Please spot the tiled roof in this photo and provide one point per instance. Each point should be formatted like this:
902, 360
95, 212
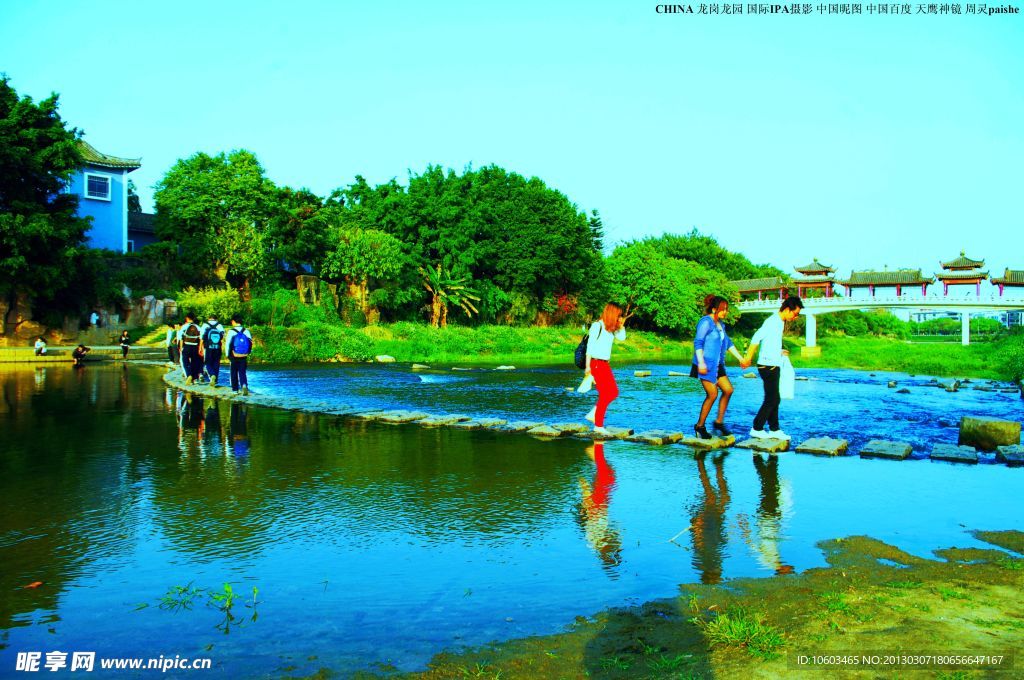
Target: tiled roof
814, 279
141, 222
955, 275
814, 267
887, 278
1011, 277
962, 263
754, 285
94, 157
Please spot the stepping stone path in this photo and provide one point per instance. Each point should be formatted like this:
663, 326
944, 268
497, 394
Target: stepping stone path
708, 444
879, 448
641, 374
613, 433
988, 434
824, 446
1011, 455
772, 445
505, 368
402, 416
656, 437
676, 374
954, 453
571, 428
480, 424
440, 421
545, 431
368, 415
521, 425
419, 367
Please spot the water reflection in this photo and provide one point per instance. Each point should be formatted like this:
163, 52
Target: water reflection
600, 533
708, 526
774, 503
239, 430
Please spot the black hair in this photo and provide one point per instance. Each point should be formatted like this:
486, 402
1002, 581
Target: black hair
236, 317
713, 302
792, 302
190, 316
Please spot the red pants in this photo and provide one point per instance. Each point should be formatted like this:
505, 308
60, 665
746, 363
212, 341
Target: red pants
607, 390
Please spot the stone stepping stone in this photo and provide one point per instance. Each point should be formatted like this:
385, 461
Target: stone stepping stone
439, 421
954, 453
403, 416
571, 428
384, 359
656, 437
708, 444
750, 375
419, 367
641, 374
613, 433
676, 374
880, 448
479, 423
544, 431
521, 425
772, 445
824, 446
368, 415
1011, 455
505, 368
988, 434
339, 410
492, 423
460, 368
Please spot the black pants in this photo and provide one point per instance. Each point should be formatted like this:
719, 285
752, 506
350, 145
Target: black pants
191, 361
172, 354
238, 377
212, 363
769, 411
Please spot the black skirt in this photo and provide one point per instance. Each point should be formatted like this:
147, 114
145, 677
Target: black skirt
694, 373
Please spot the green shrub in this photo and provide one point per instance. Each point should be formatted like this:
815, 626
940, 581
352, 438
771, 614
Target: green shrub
222, 302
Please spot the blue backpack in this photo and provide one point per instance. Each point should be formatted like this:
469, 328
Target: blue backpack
241, 344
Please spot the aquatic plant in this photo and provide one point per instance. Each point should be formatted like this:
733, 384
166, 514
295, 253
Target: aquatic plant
741, 627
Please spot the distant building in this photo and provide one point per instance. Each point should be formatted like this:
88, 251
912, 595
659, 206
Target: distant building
140, 231
101, 185
767, 287
815, 276
962, 271
867, 283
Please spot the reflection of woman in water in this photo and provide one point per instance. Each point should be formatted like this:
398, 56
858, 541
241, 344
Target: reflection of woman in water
769, 515
593, 511
708, 522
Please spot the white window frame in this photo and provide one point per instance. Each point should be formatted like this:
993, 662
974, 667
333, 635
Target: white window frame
130, 248
110, 186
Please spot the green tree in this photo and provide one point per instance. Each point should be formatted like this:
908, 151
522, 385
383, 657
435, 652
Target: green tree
42, 241
706, 251
134, 204
299, 229
363, 258
445, 291
216, 208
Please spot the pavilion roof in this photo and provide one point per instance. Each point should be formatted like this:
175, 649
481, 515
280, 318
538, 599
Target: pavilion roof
887, 278
962, 262
1010, 277
766, 283
815, 279
968, 275
94, 157
814, 268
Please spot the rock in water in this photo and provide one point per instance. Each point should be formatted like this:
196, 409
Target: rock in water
988, 434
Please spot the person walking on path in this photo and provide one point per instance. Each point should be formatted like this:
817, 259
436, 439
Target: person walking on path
212, 344
126, 342
769, 362
172, 344
710, 345
191, 337
610, 327
239, 343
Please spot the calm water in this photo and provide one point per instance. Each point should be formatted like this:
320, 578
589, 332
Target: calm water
372, 543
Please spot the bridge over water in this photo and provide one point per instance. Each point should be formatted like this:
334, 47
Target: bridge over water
825, 305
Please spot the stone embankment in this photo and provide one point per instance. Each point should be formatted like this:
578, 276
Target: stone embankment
1012, 454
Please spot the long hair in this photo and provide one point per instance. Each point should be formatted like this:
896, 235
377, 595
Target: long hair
713, 303
610, 317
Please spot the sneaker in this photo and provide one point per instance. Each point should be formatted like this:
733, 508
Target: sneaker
188, 380
758, 434
779, 434
213, 381
601, 431
593, 414
245, 391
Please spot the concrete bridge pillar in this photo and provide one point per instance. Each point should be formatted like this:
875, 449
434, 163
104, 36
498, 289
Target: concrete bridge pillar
965, 328
811, 330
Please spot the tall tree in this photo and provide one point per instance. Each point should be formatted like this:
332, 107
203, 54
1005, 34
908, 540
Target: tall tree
42, 241
216, 208
367, 260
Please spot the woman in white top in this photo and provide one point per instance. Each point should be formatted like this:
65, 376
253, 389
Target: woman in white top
611, 326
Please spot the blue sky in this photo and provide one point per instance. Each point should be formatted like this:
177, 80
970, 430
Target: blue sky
864, 141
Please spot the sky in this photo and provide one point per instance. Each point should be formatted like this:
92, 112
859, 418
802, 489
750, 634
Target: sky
867, 142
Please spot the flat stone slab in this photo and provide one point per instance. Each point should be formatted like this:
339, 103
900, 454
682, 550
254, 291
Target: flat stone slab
403, 416
571, 428
708, 444
479, 423
613, 433
824, 446
880, 448
772, 445
505, 368
954, 453
988, 434
641, 374
545, 431
1011, 455
677, 374
521, 425
460, 368
419, 367
440, 421
750, 375
656, 437
384, 359
369, 415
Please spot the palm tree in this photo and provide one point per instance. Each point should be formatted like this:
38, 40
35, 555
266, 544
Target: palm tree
446, 290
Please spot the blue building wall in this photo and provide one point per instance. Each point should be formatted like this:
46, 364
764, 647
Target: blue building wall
109, 218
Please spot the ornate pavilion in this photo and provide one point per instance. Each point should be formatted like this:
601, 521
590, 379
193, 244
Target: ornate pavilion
962, 271
815, 276
1011, 277
897, 278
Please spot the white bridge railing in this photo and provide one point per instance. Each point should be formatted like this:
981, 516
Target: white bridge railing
908, 301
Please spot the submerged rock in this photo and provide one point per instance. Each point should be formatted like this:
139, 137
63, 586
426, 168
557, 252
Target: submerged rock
1011, 455
903, 390
892, 383
988, 434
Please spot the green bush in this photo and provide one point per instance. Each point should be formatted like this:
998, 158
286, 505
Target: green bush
222, 302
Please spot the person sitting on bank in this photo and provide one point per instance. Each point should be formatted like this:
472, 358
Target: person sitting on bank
78, 354
769, 363
40, 346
